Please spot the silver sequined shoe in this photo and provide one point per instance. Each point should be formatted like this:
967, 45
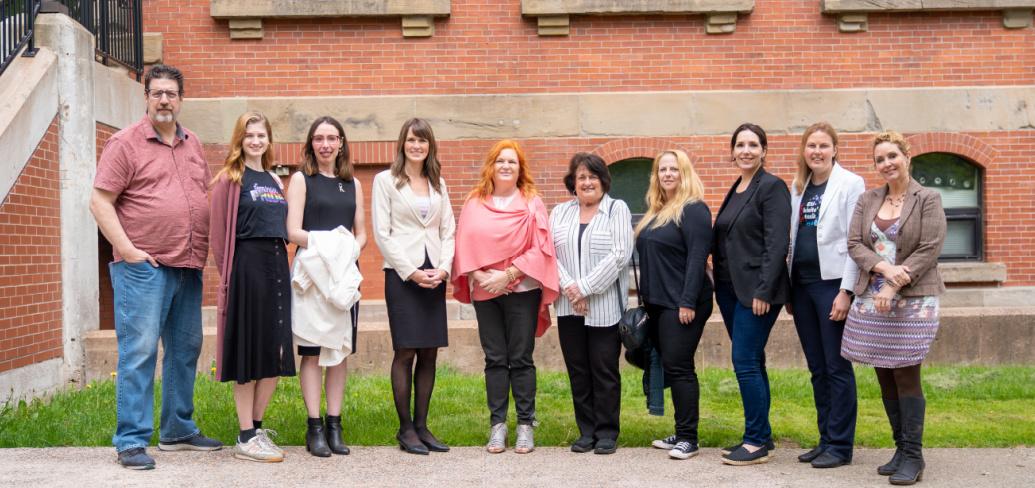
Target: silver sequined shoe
525, 442
497, 438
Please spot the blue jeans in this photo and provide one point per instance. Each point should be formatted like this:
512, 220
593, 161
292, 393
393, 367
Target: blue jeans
151, 304
749, 334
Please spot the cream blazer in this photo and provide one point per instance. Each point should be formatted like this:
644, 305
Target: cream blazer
403, 236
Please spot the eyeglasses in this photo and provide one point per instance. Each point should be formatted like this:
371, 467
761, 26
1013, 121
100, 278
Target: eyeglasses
328, 139
158, 94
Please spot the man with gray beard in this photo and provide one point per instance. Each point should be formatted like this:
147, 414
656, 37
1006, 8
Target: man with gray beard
149, 202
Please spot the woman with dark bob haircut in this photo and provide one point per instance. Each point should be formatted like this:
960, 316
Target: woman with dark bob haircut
592, 233
752, 233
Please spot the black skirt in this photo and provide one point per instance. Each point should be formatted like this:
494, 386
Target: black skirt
257, 336
416, 315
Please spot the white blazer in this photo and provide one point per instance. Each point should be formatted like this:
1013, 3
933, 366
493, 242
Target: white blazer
835, 214
403, 236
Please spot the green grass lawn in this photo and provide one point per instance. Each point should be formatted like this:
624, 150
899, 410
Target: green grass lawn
967, 407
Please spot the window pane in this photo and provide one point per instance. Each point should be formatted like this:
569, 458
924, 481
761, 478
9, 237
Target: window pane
630, 179
953, 176
959, 240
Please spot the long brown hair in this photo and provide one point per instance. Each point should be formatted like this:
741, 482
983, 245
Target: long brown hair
432, 169
233, 166
484, 187
660, 210
804, 172
342, 163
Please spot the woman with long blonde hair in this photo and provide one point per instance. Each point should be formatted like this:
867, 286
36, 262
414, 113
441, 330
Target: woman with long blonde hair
673, 241
248, 236
505, 265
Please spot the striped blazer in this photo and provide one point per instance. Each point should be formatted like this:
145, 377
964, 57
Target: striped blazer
600, 270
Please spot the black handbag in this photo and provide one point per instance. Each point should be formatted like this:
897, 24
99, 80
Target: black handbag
632, 328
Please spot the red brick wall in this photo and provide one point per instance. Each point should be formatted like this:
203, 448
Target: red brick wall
105, 293
30, 261
488, 47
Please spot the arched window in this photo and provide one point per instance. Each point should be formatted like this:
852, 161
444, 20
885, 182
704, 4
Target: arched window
959, 181
630, 179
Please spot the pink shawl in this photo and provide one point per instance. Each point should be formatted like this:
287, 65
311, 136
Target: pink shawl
492, 238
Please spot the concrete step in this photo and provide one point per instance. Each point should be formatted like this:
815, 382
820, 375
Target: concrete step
968, 335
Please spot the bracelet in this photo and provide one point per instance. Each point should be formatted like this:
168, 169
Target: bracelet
510, 276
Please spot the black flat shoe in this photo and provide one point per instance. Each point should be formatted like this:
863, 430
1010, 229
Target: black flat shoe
431, 442
418, 448
605, 446
809, 456
827, 460
582, 444
768, 445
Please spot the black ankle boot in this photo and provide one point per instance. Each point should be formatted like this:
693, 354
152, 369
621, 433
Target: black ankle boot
334, 439
912, 468
315, 440
895, 419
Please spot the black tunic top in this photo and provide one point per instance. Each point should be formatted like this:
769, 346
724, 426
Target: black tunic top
672, 260
329, 202
262, 211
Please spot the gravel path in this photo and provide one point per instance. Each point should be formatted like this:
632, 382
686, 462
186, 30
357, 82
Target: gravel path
471, 466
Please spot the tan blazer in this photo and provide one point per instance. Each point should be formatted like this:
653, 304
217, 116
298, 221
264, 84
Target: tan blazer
920, 237
403, 236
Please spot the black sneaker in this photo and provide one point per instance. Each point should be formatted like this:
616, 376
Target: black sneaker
768, 445
683, 450
583, 444
197, 442
136, 458
741, 457
667, 443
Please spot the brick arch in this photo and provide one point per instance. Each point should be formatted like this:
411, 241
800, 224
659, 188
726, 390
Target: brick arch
638, 147
964, 145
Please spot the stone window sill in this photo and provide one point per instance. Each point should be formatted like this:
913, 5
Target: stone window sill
972, 272
852, 14
553, 15
246, 16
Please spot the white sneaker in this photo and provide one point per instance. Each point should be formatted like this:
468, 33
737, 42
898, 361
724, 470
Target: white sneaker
256, 450
266, 436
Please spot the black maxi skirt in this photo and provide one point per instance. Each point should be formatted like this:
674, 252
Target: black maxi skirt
416, 315
257, 335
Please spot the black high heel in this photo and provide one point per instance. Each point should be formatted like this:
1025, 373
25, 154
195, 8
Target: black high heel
429, 440
418, 448
334, 436
315, 441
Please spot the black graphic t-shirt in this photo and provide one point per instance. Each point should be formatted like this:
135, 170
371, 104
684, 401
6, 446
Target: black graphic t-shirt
262, 212
806, 252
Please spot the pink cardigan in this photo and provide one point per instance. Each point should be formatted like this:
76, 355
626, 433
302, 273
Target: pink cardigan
226, 196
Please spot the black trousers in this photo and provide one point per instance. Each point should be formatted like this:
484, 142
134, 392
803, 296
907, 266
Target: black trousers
506, 327
591, 356
677, 344
833, 379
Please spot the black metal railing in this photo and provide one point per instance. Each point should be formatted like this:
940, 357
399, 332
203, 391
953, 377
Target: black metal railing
17, 19
117, 26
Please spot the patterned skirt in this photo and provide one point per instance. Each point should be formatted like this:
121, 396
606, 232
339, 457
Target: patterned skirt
895, 339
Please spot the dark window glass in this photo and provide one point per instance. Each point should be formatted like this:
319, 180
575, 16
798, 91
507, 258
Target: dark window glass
630, 179
959, 182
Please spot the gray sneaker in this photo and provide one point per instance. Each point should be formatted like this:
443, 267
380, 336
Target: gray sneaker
497, 438
255, 450
525, 442
136, 458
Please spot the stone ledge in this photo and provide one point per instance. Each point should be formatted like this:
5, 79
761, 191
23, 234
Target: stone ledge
1017, 14
246, 16
955, 273
553, 15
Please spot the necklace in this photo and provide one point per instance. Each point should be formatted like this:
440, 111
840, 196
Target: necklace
895, 202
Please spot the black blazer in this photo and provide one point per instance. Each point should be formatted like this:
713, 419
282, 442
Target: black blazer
757, 242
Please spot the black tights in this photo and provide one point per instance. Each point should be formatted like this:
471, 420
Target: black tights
422, 380
899, 382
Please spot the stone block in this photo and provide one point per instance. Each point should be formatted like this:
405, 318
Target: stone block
972, 272
418, 26
246, 28
499, 116
852, 23
553, 25
724, 23
152, 47
1017, 18
547, 7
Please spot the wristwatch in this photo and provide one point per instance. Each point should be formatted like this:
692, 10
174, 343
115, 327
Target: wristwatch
848, 292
